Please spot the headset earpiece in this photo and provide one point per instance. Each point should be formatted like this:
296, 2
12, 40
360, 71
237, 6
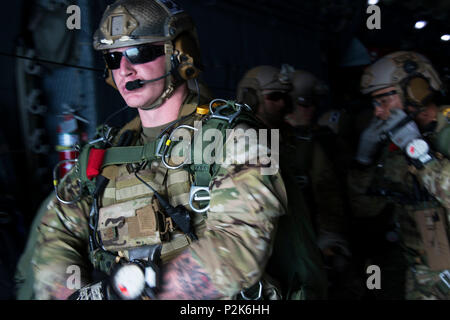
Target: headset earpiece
186, 56
107, 75
418, 90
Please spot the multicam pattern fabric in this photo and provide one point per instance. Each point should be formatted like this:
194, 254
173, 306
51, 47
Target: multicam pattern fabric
235, 238
424, 284
435, 177
391, 182
372, 189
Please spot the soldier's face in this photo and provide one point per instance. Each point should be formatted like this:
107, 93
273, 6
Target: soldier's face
127, 72
301, 116
274, 104
426, 116
383, 104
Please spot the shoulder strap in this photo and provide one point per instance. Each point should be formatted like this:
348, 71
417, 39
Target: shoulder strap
225, 116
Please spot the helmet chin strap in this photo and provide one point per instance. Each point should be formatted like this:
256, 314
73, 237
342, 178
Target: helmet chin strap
168, 92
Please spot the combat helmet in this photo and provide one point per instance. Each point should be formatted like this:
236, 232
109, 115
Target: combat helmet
413, 76
136, 22
263, 79
307, 88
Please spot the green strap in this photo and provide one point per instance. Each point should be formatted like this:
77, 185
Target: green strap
122, 155
114, 156
203, 173
82, 163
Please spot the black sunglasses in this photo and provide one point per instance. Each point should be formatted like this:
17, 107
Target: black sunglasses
377, 103
135, 55
305, 102
275, 96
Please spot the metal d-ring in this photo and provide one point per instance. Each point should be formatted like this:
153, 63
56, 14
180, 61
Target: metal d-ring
193, 197
167, 143
56, 182
259, 293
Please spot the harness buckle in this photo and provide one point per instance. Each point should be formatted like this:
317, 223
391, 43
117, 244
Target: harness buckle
194, 197
217, 113
160, 145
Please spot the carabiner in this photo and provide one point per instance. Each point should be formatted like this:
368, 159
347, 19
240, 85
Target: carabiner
216, 114
56, 182
166, 147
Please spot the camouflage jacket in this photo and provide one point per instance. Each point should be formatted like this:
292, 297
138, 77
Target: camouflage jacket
389, 186
235, 236
435, 175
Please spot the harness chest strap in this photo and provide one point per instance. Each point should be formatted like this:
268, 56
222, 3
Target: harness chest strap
92, 160
203, 172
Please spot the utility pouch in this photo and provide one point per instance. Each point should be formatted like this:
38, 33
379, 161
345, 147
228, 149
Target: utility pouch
134, 223
432, 227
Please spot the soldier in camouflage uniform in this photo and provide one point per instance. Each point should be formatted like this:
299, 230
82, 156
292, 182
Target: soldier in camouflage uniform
319, 157
122, 228
270, 91
314, 169
304, 161
403, 87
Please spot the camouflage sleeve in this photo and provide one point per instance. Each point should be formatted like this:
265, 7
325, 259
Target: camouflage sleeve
435, 177
59, 261
244, 208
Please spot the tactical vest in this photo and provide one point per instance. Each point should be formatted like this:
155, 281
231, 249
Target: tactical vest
130, 220
423, 222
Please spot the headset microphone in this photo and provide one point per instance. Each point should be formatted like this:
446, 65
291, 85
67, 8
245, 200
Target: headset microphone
136, 84
133, 85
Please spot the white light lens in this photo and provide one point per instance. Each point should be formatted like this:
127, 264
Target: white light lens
445, 37
372, 2
129, 281
417, 148
420, 24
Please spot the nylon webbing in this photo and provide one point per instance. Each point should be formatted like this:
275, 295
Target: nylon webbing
122, 155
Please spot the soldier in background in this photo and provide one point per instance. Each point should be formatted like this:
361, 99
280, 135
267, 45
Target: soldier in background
318, 160
267, 90
408, 132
